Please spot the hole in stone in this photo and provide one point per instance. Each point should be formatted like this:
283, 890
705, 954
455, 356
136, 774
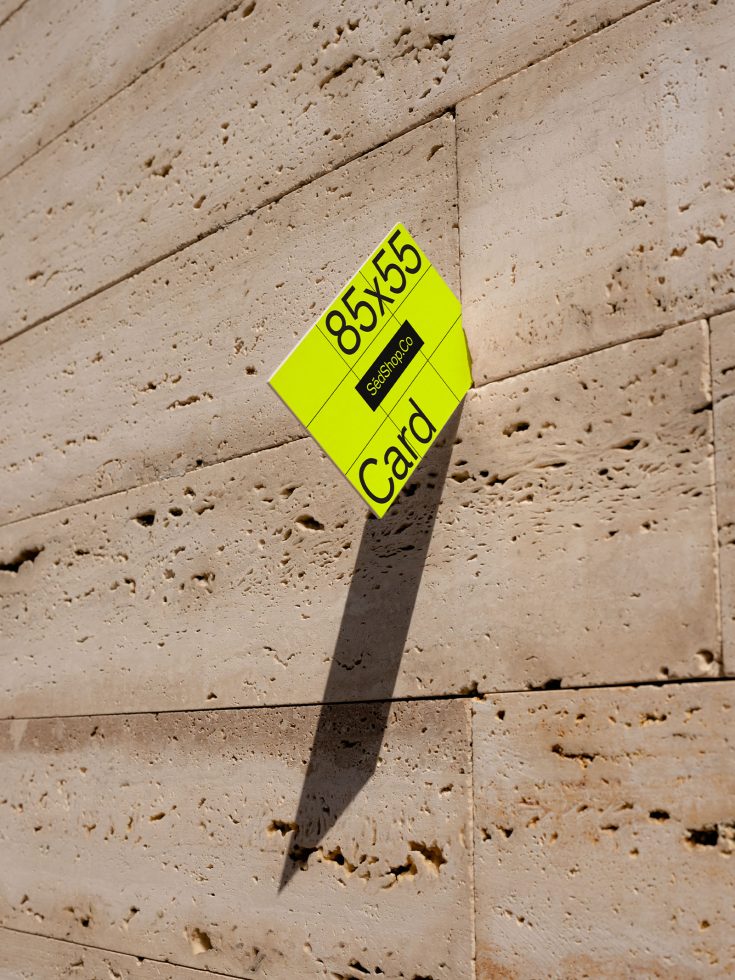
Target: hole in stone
200, 942
26, 554
703, 836
309, 522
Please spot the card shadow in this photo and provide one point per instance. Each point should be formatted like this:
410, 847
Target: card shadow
356, 703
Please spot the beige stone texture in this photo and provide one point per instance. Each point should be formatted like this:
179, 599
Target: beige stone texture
723, 387
604, 833
60, 62
249, 109
29, 957
166, 836
573, 544
596, 190
170, 367
249, 731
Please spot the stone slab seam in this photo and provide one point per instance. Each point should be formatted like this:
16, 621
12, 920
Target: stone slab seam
715, 511
471, 802
11, 14
652, 335
116, 952
473, 890
476, 698
459, 218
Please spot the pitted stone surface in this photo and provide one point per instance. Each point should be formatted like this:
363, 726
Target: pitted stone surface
605, 833
262, 101
166, 836
723, 392
28, 957
574, 545
170, 541
168, 369
59, 63
596, 190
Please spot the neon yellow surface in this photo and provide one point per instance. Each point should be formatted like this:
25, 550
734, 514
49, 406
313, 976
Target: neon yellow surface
379, 374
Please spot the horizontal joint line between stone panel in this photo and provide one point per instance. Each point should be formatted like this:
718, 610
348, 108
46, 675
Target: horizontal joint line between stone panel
649, 335
270, 447
118, 952
478, 698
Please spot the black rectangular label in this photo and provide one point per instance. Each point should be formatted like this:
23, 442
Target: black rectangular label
389, 365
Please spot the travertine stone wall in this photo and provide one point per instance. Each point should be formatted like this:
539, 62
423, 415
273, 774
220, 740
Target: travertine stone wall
153, 866
170, 348
246, 729
66, 62
247, 110
603, 849
596, 191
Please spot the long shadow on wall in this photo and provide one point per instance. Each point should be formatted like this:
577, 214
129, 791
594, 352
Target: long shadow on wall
372, 635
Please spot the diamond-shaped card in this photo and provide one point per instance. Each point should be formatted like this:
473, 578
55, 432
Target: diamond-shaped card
379, 374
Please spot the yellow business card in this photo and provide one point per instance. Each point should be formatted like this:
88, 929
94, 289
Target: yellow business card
380, 372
